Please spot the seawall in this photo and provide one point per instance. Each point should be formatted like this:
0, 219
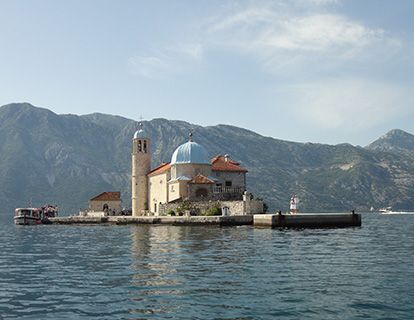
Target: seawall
192, 220
339, 220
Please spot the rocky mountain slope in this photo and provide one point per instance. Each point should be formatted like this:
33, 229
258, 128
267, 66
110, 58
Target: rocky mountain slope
396, 141
67, 159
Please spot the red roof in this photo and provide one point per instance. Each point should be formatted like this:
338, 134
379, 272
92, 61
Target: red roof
223, 163
163, 167
107, 196
200, 179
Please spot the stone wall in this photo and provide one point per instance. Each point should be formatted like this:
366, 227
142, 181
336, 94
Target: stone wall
235, 207
252, 206
188, 207
238, 207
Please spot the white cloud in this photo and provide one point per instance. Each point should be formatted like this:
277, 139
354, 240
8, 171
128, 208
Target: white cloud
277, 38
318, 2
172, 60
324, 32
149, 66
347, 104
282, 39
190, 50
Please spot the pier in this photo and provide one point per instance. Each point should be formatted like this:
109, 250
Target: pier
334, 220
339, 220
237, 220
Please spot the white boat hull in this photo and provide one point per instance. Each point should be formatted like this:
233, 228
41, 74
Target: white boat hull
25, 220
396, 212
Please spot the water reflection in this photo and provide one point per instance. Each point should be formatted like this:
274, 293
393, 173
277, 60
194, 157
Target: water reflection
154, 249
185, 264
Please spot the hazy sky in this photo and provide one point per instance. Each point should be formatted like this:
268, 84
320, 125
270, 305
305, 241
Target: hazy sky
303, 70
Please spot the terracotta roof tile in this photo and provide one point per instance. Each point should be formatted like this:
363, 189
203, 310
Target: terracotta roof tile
163, 167
200, 179
107, 196
219, 163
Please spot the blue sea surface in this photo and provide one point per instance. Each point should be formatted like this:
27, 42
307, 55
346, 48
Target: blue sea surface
183, 272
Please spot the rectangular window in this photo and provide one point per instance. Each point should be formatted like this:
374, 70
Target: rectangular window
228, 183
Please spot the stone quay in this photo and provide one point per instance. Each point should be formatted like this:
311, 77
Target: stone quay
334, 220
338, 220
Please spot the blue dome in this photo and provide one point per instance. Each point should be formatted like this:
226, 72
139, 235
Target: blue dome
190, 152
140, 134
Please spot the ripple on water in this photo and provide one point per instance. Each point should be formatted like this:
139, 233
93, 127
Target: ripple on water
162, 272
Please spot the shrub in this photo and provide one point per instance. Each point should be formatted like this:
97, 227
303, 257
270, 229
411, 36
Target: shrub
171, 212
180, 211
213, 211
184, 206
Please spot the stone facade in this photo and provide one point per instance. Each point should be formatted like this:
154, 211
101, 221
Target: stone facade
158, 190
98, 205
230, 179
141, 166
191, 177
106, 201
177, 190
199, 192
190, 170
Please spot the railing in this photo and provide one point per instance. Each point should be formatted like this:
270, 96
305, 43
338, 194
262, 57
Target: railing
228, 189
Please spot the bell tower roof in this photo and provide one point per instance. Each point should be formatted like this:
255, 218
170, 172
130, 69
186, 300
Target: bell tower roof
140, 133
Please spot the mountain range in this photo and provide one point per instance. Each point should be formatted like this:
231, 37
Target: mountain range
68, 159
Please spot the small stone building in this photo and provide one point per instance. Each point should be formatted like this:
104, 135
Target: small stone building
106, 201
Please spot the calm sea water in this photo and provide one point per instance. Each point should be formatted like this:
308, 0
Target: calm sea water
169, 272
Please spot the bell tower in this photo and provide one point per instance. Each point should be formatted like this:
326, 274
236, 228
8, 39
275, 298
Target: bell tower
141, 165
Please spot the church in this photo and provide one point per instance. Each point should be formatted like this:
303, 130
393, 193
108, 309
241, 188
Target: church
190, 176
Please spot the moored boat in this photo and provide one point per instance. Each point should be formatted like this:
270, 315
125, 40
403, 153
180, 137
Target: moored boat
385, 210
33, 216
27, 216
